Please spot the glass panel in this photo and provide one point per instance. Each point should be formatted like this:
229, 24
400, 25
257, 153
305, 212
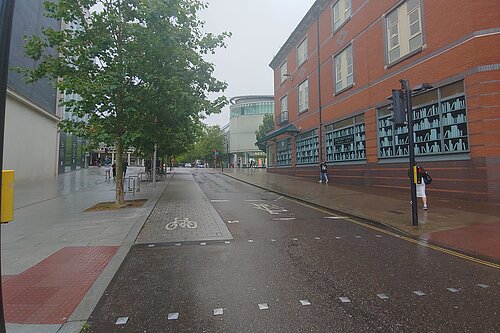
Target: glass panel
336, 15
412, 4
393, 36
347, 9
359, 118
452, 89
394, 54
425, 98
343, 123
392, 18
415, 42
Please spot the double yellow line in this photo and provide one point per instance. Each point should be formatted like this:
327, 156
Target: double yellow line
408, 239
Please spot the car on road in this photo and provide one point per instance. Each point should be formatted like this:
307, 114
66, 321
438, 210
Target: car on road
188, 165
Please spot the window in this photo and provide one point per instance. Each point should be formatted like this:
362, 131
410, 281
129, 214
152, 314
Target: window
283, 152
302, 52
307, 147
345, 140
341, 13
439, 126
403, 30
270, 154
343, 69
283, 71
283, 109
303, 96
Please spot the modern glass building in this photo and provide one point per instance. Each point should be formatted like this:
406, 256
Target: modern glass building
246, 115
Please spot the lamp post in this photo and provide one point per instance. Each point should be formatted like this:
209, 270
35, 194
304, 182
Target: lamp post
6, 16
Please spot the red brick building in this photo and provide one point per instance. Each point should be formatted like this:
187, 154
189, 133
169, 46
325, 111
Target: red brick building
365, 48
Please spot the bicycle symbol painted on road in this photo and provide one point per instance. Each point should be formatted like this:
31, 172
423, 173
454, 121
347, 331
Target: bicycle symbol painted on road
184, 223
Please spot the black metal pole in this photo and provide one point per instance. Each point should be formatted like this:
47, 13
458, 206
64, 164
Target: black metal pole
6, 16
320, 138
411, 150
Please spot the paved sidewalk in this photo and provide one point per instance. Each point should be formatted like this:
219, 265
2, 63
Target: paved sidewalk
470, 228
57, 260
183, 214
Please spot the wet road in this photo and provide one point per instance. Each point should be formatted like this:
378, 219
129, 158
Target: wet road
351, 278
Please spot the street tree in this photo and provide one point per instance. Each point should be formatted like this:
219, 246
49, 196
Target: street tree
266, 126
211, 139
136, 66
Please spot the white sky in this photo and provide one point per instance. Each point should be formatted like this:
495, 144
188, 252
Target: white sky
259, 28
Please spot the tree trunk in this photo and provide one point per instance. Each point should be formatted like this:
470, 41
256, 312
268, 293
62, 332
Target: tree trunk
120, 196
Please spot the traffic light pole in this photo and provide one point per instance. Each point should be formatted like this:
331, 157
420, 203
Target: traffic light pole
405, 85
6, 16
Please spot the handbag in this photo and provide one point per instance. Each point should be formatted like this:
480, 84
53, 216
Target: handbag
427, 179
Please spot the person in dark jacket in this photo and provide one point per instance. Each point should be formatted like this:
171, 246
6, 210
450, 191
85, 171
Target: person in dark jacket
323, 172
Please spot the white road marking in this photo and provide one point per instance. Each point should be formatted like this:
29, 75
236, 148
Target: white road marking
253, 200
284, 219
263, 306
278, 198
219, 200
218, 312
334, 217
121, 321
345, 299
270, 208
305, 302
173, 316
184, 223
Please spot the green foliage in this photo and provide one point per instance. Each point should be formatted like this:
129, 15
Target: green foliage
266, 126
210, 138
136, 68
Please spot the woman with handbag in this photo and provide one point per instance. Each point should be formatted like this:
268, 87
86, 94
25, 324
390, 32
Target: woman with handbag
423, 178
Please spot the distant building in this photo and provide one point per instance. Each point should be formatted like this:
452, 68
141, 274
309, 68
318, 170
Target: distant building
31, 133
334, 73
246, 115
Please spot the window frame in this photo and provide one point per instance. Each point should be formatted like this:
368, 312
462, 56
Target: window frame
302, 45
306, 102
404, 35
282, 75
342, 10
339, 55
283, 111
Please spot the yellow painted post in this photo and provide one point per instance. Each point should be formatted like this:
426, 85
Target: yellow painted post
415, 176
7, 209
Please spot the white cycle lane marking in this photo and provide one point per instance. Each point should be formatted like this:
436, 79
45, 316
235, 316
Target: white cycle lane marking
184, 223
270, 208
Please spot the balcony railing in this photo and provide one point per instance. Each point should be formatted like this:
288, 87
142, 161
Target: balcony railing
283, 117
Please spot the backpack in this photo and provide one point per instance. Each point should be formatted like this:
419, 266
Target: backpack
427, 178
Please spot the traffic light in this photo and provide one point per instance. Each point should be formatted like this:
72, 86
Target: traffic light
398, 107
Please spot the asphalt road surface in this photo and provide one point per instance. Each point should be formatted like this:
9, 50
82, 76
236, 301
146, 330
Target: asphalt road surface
295, 268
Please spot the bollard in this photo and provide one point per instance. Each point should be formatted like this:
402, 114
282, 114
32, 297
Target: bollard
7, 209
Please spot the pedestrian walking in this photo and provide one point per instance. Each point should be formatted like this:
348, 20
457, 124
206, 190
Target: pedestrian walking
124, 167
107, 168
323, 172
423, 179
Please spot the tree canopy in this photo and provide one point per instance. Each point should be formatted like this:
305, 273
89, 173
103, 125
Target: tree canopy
266, 126
137, 68
211, 138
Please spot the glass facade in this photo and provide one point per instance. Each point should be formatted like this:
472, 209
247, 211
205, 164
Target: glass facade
440, 125
284, 152
307, 147
345, 140
251, 109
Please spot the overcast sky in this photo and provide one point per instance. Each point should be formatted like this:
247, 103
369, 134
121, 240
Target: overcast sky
259, 28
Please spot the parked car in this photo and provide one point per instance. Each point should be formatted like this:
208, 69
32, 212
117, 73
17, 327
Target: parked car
188, 165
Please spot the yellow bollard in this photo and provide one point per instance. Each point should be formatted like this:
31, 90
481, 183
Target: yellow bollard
7, 209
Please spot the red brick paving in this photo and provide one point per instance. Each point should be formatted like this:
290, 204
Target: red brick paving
480, 238
49, 292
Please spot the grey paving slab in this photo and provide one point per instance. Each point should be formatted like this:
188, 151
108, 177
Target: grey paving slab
23, 328
182, 214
